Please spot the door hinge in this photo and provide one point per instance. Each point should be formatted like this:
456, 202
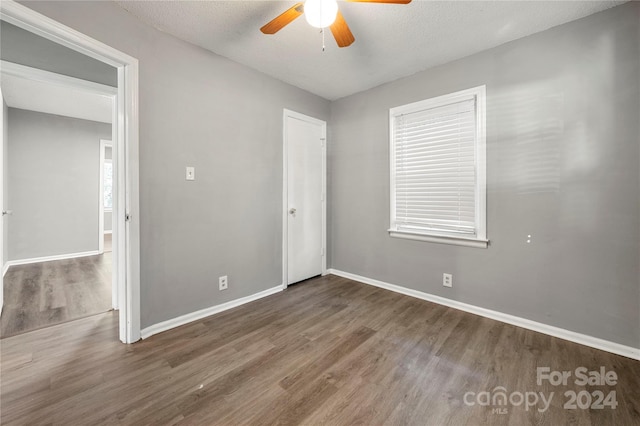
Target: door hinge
127, 217
322, 141
322, 251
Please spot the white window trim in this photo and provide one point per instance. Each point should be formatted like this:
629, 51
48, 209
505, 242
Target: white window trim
480, 240
106, 209
101, 210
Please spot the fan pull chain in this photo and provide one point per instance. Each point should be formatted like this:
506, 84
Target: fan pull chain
322, 30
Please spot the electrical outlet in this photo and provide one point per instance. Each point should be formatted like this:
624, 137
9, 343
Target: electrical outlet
223, 283
447, 280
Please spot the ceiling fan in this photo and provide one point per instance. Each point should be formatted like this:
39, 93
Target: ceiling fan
321, 14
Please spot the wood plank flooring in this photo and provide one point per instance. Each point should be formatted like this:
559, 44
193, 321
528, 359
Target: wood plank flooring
329, 351
41, 294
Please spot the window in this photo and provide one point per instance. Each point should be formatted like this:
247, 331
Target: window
108, 185
437, 155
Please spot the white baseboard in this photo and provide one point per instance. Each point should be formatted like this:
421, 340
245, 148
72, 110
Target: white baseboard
49, 258
203, 313
572, 336
5, 268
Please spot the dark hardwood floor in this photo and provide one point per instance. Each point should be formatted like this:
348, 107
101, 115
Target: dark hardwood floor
329, 351
39, 295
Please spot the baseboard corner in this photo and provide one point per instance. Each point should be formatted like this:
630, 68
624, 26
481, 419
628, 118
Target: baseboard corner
51, 258
162, 326
572, 336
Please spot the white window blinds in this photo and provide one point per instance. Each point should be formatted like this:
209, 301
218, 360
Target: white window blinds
435, 168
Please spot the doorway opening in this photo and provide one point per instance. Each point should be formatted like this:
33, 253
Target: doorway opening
56, 271
126, 225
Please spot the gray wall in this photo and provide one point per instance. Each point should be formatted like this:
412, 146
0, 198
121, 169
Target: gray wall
562, 141
562, 165
199, 109
54, 182
22, 47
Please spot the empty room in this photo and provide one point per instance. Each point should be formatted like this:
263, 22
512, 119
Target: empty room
377, 212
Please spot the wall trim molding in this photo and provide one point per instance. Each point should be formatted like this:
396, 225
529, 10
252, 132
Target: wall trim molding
50, 258
572, 336
206, 312
5, 268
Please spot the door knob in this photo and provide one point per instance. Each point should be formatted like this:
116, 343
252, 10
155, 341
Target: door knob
292, 211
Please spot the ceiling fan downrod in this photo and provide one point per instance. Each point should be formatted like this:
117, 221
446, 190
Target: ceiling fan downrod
322, 31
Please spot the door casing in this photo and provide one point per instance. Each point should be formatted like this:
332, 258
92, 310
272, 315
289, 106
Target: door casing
288, 115
2, 218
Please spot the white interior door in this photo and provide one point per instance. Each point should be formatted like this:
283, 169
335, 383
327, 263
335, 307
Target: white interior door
305, 217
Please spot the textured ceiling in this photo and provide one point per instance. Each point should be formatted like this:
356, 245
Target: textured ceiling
392, 41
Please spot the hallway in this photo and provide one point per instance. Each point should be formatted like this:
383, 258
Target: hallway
38, 295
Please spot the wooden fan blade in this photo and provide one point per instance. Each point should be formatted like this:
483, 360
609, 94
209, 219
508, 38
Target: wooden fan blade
382, 1
341, 31
283, 19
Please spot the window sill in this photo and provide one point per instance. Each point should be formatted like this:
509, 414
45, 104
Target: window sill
466, 242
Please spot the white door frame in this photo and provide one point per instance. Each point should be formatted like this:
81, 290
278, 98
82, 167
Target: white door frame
288, 114
126, 226
2, 194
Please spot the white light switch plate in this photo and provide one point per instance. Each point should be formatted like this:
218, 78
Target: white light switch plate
191, 173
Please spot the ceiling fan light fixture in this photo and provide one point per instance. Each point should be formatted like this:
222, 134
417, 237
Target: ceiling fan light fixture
320, 13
